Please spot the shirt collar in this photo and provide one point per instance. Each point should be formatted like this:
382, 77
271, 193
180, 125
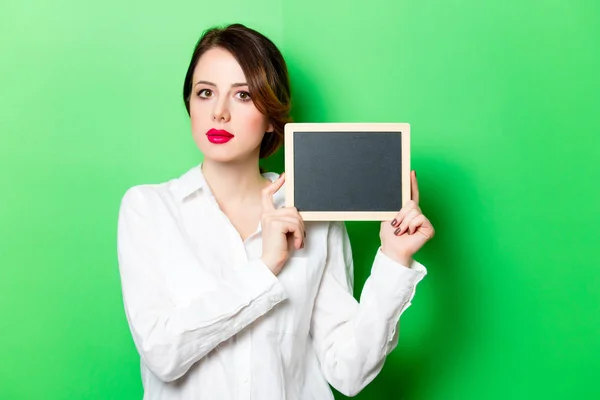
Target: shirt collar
188, 183
193, 180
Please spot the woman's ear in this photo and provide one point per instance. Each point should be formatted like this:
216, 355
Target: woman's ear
270, 128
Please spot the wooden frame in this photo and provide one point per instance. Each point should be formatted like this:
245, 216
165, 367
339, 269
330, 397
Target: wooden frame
291, 128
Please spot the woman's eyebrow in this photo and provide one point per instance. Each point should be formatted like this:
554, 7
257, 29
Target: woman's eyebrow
205, 83
212, 84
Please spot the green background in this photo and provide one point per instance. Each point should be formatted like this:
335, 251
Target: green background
503, 99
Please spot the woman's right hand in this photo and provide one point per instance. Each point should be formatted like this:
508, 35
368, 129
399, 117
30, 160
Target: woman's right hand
281, 229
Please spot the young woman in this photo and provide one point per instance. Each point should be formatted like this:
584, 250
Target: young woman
231, 295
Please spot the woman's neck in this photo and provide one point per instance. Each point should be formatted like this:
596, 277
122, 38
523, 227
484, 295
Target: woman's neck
234, 183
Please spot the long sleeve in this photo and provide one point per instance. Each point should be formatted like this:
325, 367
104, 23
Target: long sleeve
352, 339
171, 337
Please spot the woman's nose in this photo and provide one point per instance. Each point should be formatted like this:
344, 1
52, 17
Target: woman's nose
221, 112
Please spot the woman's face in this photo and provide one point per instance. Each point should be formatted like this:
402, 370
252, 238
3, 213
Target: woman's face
226, 125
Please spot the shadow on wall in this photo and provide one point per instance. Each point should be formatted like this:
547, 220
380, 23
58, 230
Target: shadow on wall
307, 106
442, 324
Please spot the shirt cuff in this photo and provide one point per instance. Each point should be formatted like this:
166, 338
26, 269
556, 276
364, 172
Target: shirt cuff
395, 278
257, 280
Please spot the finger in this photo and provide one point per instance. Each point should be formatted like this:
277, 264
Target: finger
414, 187
410, 205
289, 212
290, 220
290, 242
292, 227
410, 215
426, 229
416, 223
269, 191
296, 214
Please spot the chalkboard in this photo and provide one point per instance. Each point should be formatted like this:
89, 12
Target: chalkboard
347, 171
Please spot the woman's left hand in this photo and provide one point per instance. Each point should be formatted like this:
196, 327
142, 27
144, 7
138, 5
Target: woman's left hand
408, 232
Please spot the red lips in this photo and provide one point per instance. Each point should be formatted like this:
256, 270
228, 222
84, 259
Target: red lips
219, 132
218, 136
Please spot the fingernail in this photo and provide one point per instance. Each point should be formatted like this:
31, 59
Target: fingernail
397, 231
394, 222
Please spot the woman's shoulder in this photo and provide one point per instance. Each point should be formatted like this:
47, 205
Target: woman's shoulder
143, 193
158, 194
149, 202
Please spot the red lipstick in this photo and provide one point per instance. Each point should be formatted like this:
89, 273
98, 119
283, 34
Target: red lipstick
218, 136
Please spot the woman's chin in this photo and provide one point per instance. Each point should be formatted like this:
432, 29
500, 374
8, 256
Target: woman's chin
222, 157
226, 154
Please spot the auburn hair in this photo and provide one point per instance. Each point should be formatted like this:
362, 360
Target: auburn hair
264, 68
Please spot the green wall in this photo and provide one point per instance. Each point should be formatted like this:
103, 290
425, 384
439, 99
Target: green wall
503, 98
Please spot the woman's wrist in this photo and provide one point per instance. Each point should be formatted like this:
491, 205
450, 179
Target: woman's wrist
404, 259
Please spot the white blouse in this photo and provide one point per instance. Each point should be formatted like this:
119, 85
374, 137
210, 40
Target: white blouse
210, 321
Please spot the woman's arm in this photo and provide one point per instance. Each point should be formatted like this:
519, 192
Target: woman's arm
170, 337
352, 339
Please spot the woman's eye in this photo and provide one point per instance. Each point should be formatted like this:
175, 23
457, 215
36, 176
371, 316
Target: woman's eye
205, 93
245, 96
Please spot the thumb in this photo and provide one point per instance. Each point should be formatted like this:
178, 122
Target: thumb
269, 191
414, 187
